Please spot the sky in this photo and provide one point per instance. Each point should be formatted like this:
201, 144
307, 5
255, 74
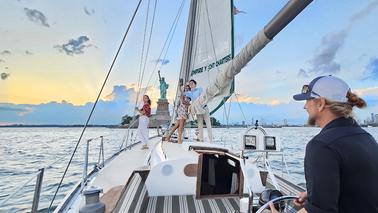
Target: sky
54, 57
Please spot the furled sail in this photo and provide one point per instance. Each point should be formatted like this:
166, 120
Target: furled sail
226, 76
208, 46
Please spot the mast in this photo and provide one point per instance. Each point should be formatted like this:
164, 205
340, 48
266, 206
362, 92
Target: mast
187, 55
226, 76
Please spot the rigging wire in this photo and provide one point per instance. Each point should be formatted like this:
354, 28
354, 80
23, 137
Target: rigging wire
142, 56
149, 42
143, 59
166, 50
211, 36
241, 109
147, 52
94, 105
167, 40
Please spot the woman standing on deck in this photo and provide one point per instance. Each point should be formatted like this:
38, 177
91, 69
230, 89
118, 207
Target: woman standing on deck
182, 115
145, 113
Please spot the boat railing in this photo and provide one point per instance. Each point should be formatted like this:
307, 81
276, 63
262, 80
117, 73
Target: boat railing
100, 162
37, 191
38, 176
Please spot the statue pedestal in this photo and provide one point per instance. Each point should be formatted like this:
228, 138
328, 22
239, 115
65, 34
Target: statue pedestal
162, 107
160, 117
162, 114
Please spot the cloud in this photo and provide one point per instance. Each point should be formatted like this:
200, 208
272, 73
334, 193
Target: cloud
5, 52
302, 73
36, 16
4, 75
364, 12
2, 61
122, 99
121, 93
28, 52
256, 100
25, 111
370, 91
293, 112
110, 111
162, 61
323, 61
10, 108
372, 69
74, 46
19, 111
89, 12
151, 91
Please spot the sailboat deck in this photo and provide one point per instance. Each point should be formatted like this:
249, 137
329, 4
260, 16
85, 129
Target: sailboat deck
135, 199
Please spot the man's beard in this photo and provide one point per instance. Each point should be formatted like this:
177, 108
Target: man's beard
311, 121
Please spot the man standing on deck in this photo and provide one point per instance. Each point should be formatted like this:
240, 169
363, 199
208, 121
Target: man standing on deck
341, 162
193, 94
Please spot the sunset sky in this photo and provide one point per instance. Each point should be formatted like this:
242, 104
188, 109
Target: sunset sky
54, 56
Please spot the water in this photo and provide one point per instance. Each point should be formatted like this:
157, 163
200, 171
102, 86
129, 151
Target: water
25, 150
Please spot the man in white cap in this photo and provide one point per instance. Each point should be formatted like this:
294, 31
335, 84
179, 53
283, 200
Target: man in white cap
341, 162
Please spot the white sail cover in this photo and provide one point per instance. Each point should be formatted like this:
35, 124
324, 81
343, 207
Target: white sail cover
212, 46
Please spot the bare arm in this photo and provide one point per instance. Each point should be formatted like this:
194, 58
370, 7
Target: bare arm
141, 111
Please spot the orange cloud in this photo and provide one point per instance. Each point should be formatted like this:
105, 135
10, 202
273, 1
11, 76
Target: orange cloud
373, 91
257, 100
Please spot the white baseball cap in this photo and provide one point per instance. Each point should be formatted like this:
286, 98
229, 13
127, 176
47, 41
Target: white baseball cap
329, 87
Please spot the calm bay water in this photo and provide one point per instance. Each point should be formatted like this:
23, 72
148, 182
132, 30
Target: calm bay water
25, 150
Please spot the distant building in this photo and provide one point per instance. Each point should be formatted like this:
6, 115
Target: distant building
373, 120
376, 119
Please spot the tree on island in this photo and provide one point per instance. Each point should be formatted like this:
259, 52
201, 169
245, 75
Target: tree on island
126, 119
214, 122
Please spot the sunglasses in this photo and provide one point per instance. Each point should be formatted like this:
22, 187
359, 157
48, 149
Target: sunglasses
306, 89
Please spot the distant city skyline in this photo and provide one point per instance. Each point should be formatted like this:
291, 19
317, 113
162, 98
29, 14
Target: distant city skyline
52, 63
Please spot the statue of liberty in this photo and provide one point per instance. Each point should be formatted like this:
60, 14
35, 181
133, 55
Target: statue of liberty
163, 87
